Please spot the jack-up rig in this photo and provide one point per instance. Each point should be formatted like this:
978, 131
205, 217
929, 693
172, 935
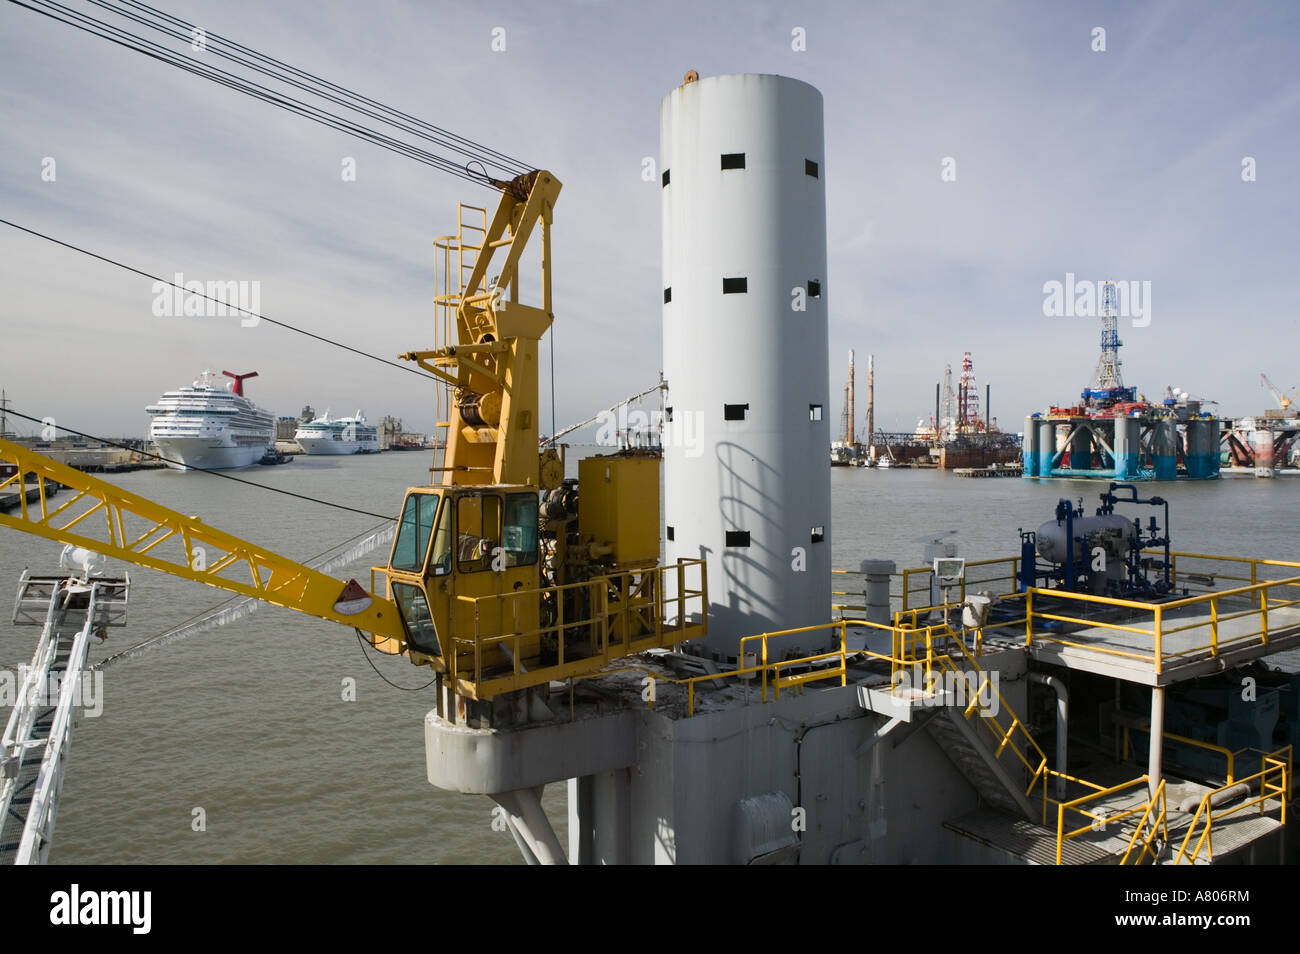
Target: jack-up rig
705, 707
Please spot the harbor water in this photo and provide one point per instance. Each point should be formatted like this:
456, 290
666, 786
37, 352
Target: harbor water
241, 745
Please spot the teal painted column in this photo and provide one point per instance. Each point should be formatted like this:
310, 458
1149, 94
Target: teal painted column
1029, 448
1046, 447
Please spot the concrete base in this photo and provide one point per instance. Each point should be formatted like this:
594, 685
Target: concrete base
775, 782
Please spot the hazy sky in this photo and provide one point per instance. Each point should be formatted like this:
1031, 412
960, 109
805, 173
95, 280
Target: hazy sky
1123, 164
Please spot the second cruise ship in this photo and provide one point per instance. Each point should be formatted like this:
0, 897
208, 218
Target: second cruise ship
344, 435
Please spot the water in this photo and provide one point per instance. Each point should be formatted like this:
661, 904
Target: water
248, 723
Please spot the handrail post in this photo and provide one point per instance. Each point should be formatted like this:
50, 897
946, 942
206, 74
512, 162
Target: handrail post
1263, 615
1029, 617
1214, 626
1159, 625
844, 653
1060, 829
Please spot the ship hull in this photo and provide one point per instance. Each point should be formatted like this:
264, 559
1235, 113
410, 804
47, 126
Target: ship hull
190, 453
323, 446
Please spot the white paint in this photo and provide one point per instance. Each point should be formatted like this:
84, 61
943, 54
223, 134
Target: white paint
768, 474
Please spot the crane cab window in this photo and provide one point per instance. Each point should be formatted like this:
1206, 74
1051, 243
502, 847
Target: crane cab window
413, 531
478, 531
421, 633
440, 556
519, 536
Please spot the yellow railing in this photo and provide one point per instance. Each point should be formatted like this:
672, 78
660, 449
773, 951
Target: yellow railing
1264, 597
1273, 780
913, 583
931, 649
1229, 756
1157, 814
629, 623
1032, 757
1098, 820
1203, 569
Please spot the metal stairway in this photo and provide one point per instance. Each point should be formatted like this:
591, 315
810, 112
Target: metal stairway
38, 734
957, 738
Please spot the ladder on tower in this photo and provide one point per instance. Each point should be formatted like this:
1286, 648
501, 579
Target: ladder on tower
457, 256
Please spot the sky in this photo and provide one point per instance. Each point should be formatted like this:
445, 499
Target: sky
975, 153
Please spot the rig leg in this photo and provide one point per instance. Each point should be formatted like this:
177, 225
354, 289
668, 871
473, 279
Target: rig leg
524, 808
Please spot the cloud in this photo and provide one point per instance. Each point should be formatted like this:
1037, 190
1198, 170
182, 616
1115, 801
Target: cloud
1120, 164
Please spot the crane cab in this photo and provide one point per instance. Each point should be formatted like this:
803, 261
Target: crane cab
465, 562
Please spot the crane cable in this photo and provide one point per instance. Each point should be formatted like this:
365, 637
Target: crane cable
131, 41
213, 41
236, 607
218, 301
205, 470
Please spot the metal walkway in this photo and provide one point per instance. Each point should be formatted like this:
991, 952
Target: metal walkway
71, 612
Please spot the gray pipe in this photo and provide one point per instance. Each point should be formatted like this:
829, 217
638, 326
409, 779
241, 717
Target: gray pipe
1062, 722
1240, 790
876, 595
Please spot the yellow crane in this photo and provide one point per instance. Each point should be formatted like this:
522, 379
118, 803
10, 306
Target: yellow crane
498, 578
1283, 401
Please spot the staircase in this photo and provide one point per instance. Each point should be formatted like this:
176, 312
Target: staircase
956, 737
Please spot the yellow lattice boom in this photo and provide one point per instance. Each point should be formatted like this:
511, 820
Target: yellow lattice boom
125, 526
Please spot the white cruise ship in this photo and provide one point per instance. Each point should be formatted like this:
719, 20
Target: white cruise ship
344, 435
211, 427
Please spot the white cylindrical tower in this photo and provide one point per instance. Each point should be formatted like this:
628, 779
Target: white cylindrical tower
747, 445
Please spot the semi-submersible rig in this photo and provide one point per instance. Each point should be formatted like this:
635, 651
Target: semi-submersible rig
1097, 698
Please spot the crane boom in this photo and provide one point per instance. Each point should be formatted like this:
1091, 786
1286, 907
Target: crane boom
1283, 401
125, 526
595, 417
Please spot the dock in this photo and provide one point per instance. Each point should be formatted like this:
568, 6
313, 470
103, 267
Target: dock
1006, 470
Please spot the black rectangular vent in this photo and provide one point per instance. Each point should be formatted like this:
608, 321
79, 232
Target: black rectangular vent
665, 177
810, 168
668, 295
814, 289
818, 534
734, 412
733, 160
735, 286
737, 538
671, 535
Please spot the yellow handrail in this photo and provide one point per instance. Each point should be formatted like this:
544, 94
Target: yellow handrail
1159, 824
1227, 753
1267, 788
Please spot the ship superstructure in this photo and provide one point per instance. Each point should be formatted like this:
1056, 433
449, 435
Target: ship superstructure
337, 436
211, 427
